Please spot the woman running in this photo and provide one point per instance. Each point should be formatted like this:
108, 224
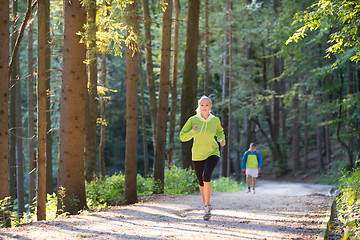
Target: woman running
203, 127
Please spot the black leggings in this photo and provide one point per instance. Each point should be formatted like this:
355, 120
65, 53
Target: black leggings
204, 169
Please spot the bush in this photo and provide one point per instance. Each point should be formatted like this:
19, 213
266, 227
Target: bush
349, 205
225, 184
180, 181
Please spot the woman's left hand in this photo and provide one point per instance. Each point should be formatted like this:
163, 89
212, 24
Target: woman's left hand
222, 143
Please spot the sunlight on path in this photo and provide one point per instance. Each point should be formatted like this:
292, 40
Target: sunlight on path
276, 211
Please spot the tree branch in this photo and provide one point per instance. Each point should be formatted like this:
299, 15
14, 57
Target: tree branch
30, 7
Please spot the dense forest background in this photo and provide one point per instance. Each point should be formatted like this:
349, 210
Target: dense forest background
281, 73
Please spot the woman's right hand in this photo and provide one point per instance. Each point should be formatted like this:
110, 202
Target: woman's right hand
195, 128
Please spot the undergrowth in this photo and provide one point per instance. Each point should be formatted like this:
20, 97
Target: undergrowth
109, 191
348, 205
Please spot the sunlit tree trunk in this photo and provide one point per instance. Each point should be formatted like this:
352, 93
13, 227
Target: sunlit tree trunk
31, 137
143, 119
131, 107
41, 112
19, 145
72, 111
4, 101
306, 133
92, 103
149, 68
102, 143
49, 165
189, 80
12, 107
206, 49
174, 93
159, 158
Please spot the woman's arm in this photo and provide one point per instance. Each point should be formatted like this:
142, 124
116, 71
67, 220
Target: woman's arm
187, 132
220, 132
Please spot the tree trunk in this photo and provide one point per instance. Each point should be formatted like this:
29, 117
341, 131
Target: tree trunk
306, 135
49, 165
143, 120
31, 145
92, 103
174, 94
13, 82
19, 145
41, 112
149, 68
103, 108
206, 49
296, 166
4, 101
228, 171
159, 158
224, 158
131, 107
72, 111
276, 100
189, 80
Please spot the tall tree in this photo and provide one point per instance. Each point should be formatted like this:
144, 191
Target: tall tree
31, 137
91, 103
131, 103
189, 80
13, 81
49, 165
72, 111
174, 86
41, 113
159, 158
149, 67
296, 165
4, 100
224, 159
206, 49
143, 119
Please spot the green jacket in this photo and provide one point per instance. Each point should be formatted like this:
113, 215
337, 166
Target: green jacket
204, 144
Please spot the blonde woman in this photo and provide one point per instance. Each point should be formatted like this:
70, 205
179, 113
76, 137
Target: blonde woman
203, 127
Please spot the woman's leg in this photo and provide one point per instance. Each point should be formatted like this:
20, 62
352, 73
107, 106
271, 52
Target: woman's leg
199, 170
210, 165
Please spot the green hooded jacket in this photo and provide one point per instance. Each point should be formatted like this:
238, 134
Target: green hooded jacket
204, 144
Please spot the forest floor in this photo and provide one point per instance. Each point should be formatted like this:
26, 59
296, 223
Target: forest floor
278, 210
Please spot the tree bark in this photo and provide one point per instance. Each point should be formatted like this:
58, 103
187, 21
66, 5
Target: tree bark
206, 49
143, 120
41, 112
31, 144
131, 106
72, 111
102, 144
149, 68
174, 93
49, 165
189, 81
19, 145
13, 81
159, 158
92, 103
296, 166
4, 101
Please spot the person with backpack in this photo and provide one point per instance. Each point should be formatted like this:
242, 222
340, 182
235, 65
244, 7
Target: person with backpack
251, 165
203, 128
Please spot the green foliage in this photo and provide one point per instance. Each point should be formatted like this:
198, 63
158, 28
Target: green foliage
5, 206
226, 184
349, 205
180, 181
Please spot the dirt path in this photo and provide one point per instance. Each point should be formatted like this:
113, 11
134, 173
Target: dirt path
276, 211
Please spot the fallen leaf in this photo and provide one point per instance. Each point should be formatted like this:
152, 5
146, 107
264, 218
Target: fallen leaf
261, 223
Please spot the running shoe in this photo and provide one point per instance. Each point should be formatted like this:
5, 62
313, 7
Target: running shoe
207, 217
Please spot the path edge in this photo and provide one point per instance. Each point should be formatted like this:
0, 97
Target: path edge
326, 225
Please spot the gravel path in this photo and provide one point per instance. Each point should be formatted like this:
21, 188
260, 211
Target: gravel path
277, 211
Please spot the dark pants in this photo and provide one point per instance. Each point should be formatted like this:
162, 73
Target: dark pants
204, 169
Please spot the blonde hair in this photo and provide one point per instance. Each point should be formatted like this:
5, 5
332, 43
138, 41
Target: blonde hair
199, 101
